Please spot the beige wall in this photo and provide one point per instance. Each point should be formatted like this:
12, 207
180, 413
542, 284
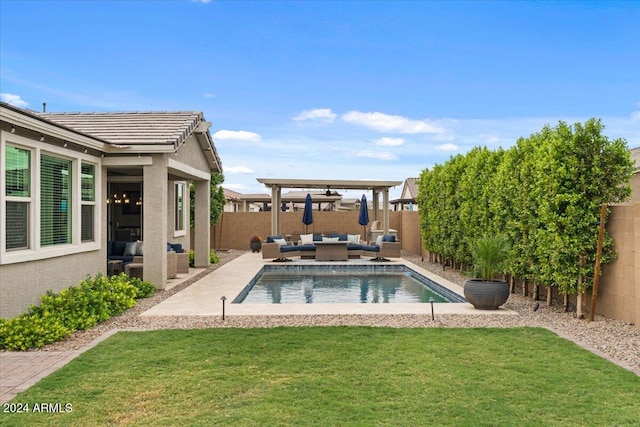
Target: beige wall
635, 187
24, 283
619, 293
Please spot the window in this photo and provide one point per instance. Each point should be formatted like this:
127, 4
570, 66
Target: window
18, 197
55, 200
180, 210
88, 184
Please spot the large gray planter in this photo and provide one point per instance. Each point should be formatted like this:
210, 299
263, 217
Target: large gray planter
486, 295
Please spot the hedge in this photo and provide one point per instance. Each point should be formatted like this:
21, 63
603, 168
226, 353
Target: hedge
76, 308
545, 193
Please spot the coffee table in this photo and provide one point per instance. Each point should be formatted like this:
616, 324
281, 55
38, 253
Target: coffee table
331, 251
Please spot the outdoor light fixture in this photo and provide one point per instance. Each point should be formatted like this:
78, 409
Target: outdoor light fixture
65, 144
328, 192
13, 128
431, 301
85, 151
223, 299
41, 138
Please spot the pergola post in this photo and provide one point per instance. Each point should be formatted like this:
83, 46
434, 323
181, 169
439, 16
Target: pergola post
275, 210
385, 210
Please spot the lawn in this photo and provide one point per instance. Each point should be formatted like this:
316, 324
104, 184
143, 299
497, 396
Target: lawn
330, 376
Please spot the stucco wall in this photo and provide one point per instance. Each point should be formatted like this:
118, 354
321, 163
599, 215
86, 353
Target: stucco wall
24, 283
619, 291
191, 154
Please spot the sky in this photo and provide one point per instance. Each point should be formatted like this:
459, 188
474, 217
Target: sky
332, 89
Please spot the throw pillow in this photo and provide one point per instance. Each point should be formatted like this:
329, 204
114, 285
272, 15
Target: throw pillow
139, 248
330, 239
130, 249
280, 242
353, 238
379, 240
306, 238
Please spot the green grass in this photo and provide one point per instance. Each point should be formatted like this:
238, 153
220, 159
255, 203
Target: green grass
329, 376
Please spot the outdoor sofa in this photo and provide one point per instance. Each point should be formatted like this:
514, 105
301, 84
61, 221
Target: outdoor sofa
277, 248
132, 252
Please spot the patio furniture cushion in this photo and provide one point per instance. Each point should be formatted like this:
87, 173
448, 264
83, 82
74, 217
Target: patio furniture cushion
139, 248
130, 249
388, 238
176, 247
371, 248
330, 239
317, 237
354, 247
379, 240
341, 237
353, 238
271, 239
307, 247
289, 248
280, 242
117, 247
306, 238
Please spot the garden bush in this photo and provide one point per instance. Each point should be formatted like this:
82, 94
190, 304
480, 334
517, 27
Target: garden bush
80, 307
213, 258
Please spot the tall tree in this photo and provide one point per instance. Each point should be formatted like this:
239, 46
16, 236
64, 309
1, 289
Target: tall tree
217, 199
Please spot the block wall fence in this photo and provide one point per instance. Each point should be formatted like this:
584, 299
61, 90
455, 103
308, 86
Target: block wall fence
619, 295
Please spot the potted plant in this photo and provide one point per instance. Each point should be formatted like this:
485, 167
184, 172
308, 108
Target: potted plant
255, 243
490, 254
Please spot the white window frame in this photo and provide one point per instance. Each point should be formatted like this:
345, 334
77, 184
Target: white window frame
178, 232
21, 199
89, 202
35, 251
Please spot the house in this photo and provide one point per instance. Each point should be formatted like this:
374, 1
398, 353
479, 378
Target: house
408, 197
71, 182
635, 178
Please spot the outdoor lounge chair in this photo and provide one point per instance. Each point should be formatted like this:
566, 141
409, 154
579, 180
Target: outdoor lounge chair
389, 247
376, 230
278, 252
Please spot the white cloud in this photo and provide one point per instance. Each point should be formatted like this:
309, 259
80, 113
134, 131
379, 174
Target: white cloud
635, 115
389, 123
236, 135
380, 155
209, 95
389, 142
14, 100
234, 187
318, 114
490, 139
447, 147
237, 169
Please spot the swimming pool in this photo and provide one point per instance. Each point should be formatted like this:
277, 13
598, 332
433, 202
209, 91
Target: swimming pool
342, 284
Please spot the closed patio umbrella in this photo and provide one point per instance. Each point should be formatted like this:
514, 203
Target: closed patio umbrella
363, 216
307, 215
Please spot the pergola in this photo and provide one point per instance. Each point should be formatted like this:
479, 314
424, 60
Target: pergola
375, 186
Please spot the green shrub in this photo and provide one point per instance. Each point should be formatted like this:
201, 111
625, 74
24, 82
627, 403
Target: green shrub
75, 308
213, 258
31, 331
144, 288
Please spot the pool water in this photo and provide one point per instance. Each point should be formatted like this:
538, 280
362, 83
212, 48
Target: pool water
318, 285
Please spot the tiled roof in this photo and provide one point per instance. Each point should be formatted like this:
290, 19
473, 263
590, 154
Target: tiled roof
412, 186
635, 156
134, 128
231, 195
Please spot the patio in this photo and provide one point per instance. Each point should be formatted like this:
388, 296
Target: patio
203, 298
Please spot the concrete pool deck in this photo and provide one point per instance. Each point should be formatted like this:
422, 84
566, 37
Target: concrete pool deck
203, 298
